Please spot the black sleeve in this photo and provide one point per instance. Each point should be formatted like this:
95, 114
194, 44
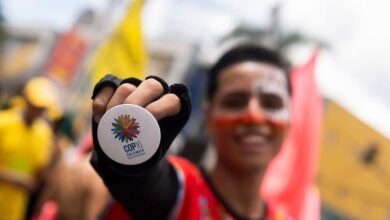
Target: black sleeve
150, 195
148, 190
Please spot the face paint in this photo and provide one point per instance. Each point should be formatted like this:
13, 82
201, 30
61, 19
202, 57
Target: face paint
267, 102
229, 122
248, 116
273, 97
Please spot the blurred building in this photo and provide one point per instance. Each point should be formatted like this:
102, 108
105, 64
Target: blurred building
354, 170
24, 50
170, 59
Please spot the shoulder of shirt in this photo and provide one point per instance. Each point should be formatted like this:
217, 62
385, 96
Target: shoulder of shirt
13, 115
43, 123
9, 116
43, 127
184, 165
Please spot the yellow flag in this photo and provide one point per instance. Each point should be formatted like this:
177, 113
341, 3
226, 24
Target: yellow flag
123, 54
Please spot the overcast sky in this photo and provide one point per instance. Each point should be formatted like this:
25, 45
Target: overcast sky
355, 72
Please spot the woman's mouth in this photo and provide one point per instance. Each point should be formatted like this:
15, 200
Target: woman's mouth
253, 142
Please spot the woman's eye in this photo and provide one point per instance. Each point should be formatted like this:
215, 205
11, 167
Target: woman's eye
236, 103
271, 102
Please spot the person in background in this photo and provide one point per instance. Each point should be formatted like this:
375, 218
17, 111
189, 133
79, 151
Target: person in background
73, 187
26, 141
247, 115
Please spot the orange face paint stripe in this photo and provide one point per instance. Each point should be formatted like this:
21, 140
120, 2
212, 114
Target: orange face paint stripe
227, 122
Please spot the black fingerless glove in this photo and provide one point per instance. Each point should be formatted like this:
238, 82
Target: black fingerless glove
169, 127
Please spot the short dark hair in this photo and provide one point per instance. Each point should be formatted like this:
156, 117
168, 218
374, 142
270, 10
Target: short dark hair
242, 53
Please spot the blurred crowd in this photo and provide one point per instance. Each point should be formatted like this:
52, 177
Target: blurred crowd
44, 173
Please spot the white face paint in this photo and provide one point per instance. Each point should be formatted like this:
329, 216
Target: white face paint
273, 96
247, 82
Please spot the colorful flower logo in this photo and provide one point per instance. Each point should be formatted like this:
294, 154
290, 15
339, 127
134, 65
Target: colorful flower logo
125, 128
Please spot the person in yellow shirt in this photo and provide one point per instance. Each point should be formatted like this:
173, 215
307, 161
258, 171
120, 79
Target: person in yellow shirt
26, 140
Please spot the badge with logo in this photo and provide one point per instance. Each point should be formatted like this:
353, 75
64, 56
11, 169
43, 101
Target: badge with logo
129, 134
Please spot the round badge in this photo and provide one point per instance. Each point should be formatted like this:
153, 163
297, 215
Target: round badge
129, 134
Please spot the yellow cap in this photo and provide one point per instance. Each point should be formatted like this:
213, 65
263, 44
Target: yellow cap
41, 92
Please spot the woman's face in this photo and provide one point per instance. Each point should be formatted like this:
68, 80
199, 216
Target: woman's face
249, 115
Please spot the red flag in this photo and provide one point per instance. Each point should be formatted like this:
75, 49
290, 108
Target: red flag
289, 182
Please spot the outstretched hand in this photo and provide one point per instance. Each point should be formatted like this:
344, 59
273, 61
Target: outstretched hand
149, 94
170, 105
